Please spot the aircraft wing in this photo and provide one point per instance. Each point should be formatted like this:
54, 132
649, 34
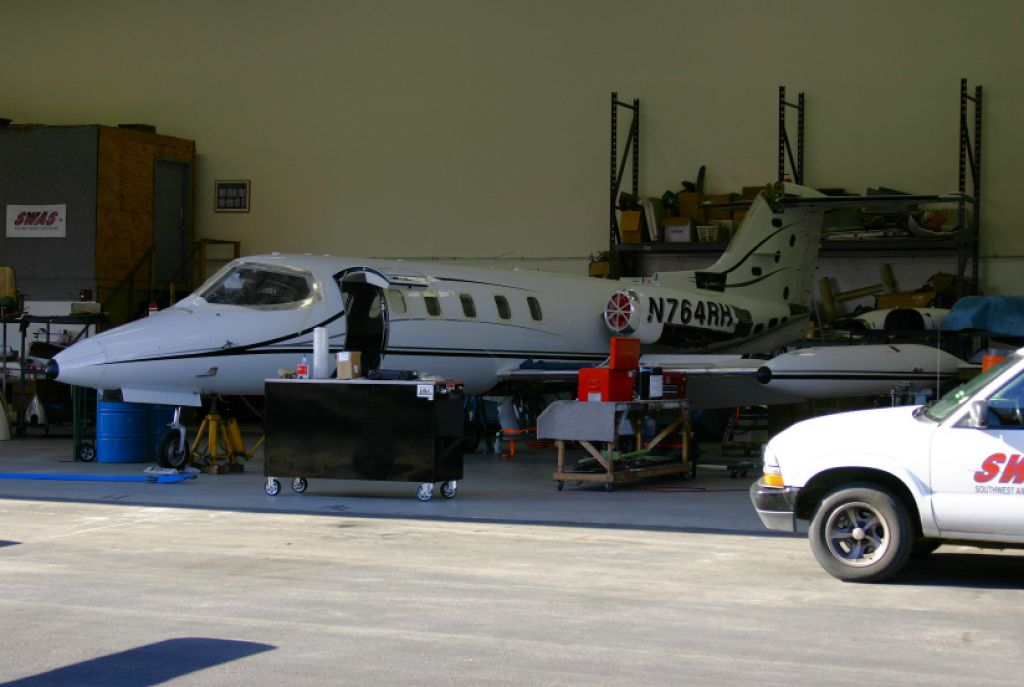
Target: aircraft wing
721, 381
713, 381
725, 381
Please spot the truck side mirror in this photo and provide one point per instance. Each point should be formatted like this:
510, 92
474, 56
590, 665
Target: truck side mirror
977, 414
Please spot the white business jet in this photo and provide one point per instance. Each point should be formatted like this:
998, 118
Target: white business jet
488, 328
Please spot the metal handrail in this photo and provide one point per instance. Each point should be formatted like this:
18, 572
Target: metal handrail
187, 268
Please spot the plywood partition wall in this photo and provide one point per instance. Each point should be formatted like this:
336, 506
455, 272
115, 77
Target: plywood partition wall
124, 203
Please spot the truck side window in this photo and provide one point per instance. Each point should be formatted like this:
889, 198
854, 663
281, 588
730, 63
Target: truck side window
1006, 406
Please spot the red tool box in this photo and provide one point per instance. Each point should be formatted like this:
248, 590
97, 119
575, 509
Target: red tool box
606, 384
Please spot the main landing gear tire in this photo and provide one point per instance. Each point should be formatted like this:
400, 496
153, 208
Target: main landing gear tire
300, 485
272, 487
450, 489
861, 533
167, 453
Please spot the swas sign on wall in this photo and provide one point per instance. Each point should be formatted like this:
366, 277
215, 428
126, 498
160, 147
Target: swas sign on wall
36, 221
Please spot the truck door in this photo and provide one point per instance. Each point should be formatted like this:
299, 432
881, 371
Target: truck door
977, 474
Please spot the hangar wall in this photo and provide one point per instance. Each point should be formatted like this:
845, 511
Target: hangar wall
45, 167
466, 128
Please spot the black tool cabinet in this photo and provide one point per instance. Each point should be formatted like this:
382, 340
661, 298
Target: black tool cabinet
406, 431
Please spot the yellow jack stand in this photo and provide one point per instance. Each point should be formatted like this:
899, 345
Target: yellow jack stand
220, 433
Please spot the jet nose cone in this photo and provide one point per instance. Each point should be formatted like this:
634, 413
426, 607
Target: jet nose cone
81, 365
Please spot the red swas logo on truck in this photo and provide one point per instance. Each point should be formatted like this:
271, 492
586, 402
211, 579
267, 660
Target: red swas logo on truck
1011, 466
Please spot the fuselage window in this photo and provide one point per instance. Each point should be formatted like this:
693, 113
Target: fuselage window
433, 305
504, 312
468, 306
535, 311
259, 286
396, 301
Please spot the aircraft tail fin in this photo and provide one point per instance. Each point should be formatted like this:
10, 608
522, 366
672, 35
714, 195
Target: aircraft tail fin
771, 256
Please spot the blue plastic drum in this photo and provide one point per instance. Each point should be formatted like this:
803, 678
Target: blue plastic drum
123, 432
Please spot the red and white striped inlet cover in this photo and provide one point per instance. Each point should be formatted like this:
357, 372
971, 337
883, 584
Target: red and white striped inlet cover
622, 313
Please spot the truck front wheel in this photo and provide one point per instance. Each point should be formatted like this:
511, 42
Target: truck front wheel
861, 533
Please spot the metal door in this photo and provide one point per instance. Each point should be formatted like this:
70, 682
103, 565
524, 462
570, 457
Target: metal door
171, 212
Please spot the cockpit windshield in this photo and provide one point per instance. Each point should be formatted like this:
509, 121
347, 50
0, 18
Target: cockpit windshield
259, 286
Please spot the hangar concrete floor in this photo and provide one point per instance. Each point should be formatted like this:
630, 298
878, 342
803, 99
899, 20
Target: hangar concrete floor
211, 582
520, 490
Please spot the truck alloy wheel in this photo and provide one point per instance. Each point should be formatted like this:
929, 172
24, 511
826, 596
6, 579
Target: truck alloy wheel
861, 533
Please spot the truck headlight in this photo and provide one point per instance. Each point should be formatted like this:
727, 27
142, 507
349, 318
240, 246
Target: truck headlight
772, 473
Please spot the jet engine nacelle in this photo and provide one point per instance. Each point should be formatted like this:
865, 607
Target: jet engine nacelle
626, 315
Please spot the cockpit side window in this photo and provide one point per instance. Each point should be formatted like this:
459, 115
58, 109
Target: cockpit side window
260, 286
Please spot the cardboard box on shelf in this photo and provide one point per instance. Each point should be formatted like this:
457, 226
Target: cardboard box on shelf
677, 234
630, 226
349, 364
677, 229
689, 202
599, 268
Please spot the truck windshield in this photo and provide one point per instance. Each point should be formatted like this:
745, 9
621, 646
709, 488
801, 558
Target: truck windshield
946, 405
257, 286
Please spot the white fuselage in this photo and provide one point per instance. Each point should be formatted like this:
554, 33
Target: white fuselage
480, 325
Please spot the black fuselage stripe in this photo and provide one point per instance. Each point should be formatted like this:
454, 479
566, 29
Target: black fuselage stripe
755, 281
241, 350
759, 244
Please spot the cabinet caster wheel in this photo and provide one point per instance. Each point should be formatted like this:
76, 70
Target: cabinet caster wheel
559, 485
299, 485
450, 489
272, 487
86, 452
425, 491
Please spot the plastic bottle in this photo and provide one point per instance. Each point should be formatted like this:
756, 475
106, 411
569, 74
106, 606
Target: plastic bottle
302, 371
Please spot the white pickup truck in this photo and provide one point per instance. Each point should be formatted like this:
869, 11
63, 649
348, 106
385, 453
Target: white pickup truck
881, 485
